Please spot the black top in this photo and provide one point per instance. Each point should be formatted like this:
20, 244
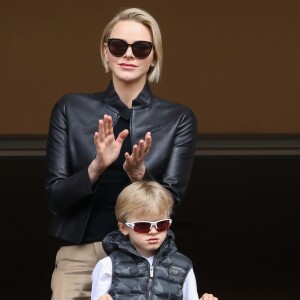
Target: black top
111, 182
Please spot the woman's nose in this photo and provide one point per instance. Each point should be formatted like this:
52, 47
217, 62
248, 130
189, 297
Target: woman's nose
129, 52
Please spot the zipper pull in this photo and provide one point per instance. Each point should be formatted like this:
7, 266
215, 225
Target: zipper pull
151, 271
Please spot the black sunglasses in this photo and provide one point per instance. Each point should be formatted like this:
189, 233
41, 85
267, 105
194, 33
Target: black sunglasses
140, 49
146, 226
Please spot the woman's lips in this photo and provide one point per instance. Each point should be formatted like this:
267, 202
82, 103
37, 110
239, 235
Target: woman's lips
127, 66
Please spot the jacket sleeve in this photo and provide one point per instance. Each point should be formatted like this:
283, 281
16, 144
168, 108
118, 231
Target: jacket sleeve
177, 171
64, 189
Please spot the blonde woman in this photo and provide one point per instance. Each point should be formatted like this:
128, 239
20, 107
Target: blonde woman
99, 143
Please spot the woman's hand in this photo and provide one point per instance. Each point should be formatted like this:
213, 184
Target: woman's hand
107, 147
134, 163
208, 297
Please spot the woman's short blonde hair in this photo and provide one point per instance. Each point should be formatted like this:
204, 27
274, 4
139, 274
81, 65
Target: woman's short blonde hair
143, 17
144, 199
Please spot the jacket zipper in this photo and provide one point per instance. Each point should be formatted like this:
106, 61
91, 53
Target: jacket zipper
151, 272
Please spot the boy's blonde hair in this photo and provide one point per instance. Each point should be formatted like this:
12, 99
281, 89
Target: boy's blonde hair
145, 199
143, 17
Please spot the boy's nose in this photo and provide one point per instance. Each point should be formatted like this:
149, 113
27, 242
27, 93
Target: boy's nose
153, 230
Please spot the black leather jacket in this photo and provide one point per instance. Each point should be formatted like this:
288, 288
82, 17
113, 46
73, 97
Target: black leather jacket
71, 149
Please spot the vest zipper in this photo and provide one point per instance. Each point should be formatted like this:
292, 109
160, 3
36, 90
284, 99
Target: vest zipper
151, 272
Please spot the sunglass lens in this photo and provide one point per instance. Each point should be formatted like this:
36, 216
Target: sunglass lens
117, 47
141, 49
163, 225
142, 227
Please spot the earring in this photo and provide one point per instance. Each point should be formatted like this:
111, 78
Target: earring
152, 65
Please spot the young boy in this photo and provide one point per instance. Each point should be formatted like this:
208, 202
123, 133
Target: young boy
143, 261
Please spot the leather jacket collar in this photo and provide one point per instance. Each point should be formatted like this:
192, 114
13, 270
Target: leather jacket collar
143, 99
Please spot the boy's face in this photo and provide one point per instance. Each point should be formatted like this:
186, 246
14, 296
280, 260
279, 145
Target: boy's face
146, 244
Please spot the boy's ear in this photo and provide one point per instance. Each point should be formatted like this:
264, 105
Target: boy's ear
123, 228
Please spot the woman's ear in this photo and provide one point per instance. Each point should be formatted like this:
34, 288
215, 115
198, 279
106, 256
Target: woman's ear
123, 228
105, 49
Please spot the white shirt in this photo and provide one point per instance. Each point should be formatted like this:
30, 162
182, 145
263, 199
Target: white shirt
102, 276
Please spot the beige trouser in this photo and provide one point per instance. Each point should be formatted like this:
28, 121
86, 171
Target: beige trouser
71, 278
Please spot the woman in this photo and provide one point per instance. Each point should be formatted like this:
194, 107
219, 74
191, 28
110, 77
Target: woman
99, 143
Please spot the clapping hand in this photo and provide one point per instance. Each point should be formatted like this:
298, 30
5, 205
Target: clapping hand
107, 147
134, 163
